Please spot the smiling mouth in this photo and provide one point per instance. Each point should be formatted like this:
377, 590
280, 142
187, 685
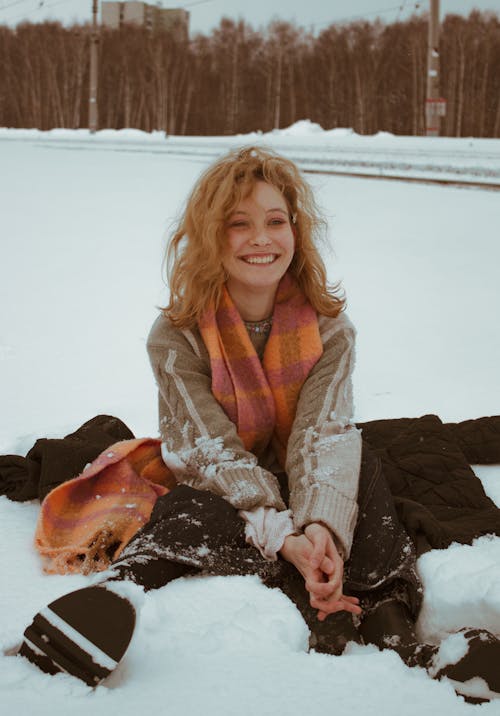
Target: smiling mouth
267, 259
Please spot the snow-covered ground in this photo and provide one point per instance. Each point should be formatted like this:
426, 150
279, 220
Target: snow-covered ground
337, 150
83, 224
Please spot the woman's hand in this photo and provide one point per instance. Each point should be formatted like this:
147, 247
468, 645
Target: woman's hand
326, 594
315, 556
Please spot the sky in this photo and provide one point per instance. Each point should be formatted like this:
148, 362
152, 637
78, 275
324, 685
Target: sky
206, 14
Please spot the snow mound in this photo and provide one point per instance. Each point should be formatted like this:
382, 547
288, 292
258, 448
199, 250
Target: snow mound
301, 128
453, 597
225, 615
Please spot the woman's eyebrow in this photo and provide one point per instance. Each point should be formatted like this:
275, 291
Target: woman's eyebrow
246, 213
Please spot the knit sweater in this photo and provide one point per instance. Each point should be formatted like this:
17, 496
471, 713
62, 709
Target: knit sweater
202, 447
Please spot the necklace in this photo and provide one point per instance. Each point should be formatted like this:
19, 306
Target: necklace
259, 326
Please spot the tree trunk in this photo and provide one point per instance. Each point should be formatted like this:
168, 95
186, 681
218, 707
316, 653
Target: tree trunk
460, 87
360, 110
277, 95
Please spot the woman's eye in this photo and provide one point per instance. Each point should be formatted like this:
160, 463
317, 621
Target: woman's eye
238, 224
277, 222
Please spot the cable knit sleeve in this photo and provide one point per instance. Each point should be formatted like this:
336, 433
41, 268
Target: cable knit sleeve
324, 449
200, 443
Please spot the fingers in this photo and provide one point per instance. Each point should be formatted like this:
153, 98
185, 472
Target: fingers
327, 585
351, 600
344, 600
339, 607
324, 554
327, 565
324, 590
324, 603
347, 604
324, 574
319, 549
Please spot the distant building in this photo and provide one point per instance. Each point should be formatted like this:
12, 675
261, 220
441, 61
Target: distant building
152, 17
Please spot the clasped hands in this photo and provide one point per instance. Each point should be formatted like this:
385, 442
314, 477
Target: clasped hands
316, 557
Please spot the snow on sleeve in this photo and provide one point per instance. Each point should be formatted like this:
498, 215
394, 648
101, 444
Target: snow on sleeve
206, 464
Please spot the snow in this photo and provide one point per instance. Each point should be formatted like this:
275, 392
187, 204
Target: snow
84, 221
339, 150
462, 585
452, 649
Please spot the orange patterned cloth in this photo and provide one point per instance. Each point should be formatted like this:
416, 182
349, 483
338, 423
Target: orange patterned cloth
261, 398
86, 522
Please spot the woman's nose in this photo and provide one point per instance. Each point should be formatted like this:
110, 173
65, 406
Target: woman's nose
260, 238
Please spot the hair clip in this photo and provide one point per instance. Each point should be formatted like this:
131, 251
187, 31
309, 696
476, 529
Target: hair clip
294, 218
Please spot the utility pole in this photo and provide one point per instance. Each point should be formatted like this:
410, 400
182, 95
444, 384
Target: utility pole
435, 105
94, 44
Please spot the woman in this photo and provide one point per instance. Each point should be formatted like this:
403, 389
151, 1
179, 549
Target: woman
253, 359
249, 255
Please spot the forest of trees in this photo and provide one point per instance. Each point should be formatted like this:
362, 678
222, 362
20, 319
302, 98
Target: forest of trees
368, 76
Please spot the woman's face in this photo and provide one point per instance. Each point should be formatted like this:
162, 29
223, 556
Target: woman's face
260, 241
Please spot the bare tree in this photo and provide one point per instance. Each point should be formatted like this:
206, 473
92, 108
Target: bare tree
363, 75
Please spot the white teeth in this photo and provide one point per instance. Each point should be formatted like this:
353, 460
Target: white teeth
260, 259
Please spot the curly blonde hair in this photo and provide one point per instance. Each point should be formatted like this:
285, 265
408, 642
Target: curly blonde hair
194, 257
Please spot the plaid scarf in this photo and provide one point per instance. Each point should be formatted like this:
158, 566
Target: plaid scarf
86, 522
261, 398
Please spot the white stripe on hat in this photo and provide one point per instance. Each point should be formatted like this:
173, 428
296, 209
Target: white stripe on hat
39, 652
97, 655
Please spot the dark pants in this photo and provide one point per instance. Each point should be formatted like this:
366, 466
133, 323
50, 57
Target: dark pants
192, 531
